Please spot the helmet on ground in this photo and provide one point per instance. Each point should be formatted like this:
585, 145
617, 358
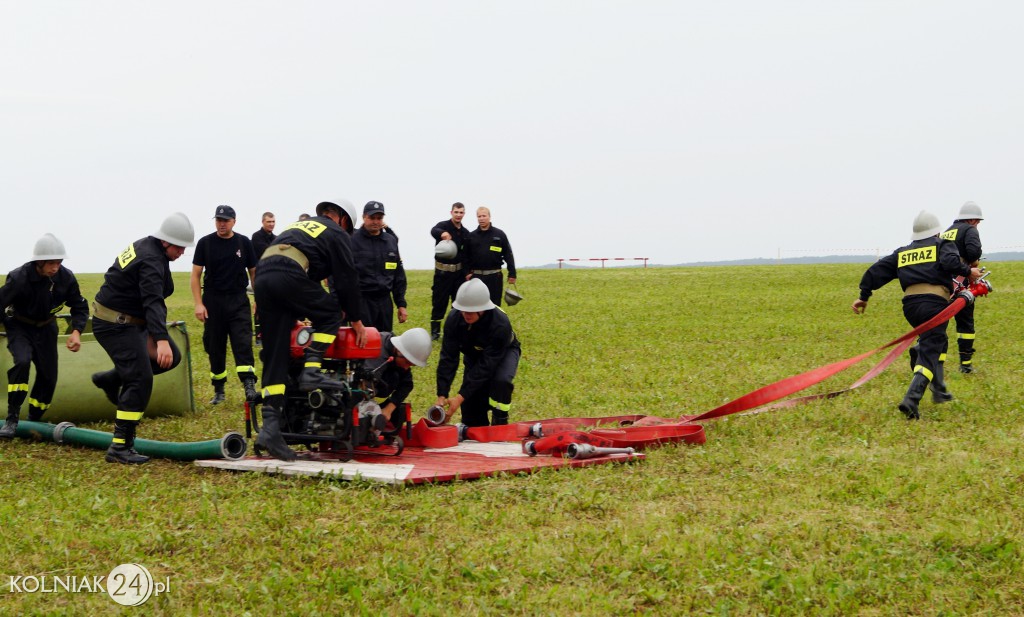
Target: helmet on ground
415, 345
968, 211
512, 296
344, 206
177, 230
49, 248
473, 297
446, 249
926, 225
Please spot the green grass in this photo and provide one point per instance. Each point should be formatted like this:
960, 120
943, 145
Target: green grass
837, 507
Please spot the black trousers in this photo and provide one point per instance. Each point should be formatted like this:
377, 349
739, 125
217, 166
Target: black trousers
378, 312
229, 318
442, 294
285, 295
497, 397
493, 282
933, 343
128, 347
29, 345
965, 333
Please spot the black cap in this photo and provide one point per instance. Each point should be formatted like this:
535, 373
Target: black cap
373, 207
224, 212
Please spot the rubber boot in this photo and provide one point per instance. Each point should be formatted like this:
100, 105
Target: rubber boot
35, 414
218, 393
498, 417
940, 394
312, 379
110, 383
124, 453
270, 436
10, 427
252, 395
913, 358
966, 348
914, 393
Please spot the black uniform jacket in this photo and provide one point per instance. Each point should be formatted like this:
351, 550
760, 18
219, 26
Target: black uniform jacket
487, 249
967, 239
327, 247
261, 240
390, 381
483, 344
37, 298
137, 284
379, 265
932, 260
460, 235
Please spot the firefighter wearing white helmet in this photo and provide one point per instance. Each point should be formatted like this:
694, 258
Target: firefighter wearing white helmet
964, 232
129, 321
31, 296
482, 334
925, 269
393, 371
450, 237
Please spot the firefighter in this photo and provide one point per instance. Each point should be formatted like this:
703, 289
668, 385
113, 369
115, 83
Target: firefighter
450, 238
130, 323
482, 333
964, 232
925, 269
487, 248
288, 288
381, 274
33, 295
261, 239
223, 265
392, 369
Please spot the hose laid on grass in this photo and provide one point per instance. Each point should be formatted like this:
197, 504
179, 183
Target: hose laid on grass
231, 446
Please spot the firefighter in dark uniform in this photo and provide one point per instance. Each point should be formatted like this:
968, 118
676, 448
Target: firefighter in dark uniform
392, 369
482, 333
925, 269
222, 304
448, 267
381, 274
488, 247
33, 295
964, 232
130, 323
288, 288
261, 239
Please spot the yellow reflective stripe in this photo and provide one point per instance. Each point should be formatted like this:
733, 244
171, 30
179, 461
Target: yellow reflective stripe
500, 406
965, 336
117, 440
965, 362
942, 357
312, 364
322, 337
496, 249
219, 376
245, 369
133, 416
33, 401
274, 389
17, 387
924, 371
390, 265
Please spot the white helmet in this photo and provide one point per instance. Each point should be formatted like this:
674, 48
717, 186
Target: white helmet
346, 208
49, 248
446, 249
177, 230
473, 297
968, 211
414, 345
926, 225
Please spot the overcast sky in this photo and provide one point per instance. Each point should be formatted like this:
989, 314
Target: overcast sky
679, 131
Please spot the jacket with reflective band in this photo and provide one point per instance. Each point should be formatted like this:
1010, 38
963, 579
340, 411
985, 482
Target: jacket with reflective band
138, 283
932, 261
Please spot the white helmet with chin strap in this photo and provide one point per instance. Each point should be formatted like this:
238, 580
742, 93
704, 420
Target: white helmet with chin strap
926, 225
969, 211
473, 297
49, 248
177, 230
415, 345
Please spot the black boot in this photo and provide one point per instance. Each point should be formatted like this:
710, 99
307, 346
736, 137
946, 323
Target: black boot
35, 414
252, 395
498, 417
312, 379
435, 330
10, 428
914, 393
940, 394
122, 449
218, 393
966, 348
913, 358
110, 383
270, 436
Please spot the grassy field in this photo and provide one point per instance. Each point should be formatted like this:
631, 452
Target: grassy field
838, 507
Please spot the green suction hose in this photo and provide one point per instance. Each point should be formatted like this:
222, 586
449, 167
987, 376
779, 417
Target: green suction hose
231, 446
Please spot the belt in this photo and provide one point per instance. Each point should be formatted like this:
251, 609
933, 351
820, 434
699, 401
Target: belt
447, 267
927, 288
33, 322
106, 314
486, 272
289, 251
